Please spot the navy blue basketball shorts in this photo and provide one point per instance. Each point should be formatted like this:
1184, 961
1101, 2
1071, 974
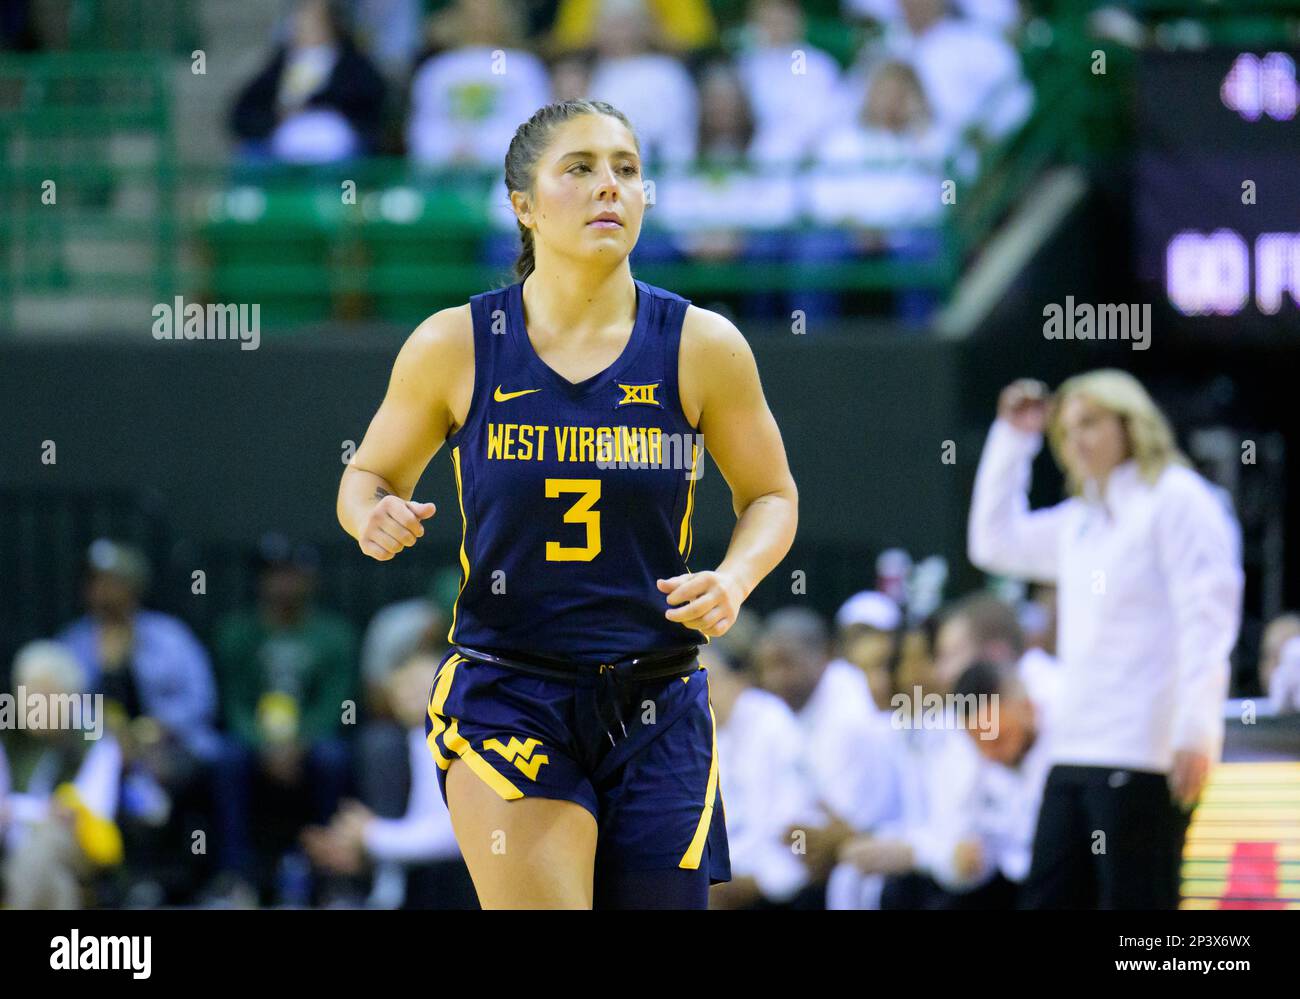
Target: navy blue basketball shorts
653, 792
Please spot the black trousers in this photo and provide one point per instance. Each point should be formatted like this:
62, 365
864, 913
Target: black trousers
1106, 839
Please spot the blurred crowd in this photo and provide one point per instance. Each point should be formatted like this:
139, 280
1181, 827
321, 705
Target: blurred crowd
286, 764
760, 145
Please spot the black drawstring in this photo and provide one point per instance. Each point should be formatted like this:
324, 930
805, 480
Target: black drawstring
611, 692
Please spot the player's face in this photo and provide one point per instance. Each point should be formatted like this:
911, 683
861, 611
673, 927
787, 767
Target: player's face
590, 168
1094, 438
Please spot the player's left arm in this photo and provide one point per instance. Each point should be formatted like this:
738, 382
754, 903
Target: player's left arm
722, 395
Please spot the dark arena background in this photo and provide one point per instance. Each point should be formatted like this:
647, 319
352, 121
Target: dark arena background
889, 198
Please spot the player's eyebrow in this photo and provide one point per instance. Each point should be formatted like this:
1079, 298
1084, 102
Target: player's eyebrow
625, 153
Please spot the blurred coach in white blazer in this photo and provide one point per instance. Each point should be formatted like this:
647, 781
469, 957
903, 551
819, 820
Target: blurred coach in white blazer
1147, 563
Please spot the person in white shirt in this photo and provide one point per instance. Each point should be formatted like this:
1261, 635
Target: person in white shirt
763, 789
791, 84
466, 102
653, 89
926, 851
1149, 585
1015, 759
971, 74
841, 739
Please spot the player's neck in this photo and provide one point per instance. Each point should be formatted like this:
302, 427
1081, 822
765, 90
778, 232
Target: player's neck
575, 304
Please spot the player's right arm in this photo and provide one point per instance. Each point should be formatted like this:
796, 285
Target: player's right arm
428, 397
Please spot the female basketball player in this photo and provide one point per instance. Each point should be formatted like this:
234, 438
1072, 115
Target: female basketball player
1147, 565
570, 721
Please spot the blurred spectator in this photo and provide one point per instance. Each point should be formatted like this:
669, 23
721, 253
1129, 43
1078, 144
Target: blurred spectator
680, 24
58, 788
466, 103
1279, 631
389, 32
923, 852
719, 209
421, 840
1014, 772
318, 100
726, 118
737, 645
395, 634
654, 90
865, 628
160, 701
569, 79
842, 738
1284, 681
971, 75
1002, 15
790, 84
876, 185
980, 627
286, 670
763, 787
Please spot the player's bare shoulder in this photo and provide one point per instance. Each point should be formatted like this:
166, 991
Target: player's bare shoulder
445, 339
435, 367
714, 357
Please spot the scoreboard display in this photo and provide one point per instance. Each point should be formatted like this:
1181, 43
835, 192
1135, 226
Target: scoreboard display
1217, 204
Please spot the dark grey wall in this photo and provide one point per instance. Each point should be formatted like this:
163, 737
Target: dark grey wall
225, 444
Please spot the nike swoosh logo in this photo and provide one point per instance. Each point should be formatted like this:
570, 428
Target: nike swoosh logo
500, 396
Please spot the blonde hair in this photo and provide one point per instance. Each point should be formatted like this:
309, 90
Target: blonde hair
1150, 439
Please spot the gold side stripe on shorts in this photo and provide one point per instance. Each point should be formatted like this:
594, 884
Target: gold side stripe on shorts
691, 859
432, 740
458, 745
443, 687
464, 528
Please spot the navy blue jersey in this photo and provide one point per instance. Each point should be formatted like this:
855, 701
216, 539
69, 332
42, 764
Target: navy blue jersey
574, 497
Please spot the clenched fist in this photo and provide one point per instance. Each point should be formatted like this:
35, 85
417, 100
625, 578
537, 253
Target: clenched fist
1023, 404
393, 524
705, 601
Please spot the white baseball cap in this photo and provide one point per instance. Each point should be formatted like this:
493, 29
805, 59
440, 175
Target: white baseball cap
870, 607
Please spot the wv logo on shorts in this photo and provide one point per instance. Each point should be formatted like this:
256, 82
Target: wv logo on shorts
520, 754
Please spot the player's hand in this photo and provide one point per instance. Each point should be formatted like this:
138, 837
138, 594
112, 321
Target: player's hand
393, 524
1187, 778
1023, 404
706, 601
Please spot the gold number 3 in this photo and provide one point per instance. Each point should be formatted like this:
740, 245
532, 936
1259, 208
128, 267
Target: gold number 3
580, 513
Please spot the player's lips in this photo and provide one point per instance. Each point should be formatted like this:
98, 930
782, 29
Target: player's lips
607, 220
